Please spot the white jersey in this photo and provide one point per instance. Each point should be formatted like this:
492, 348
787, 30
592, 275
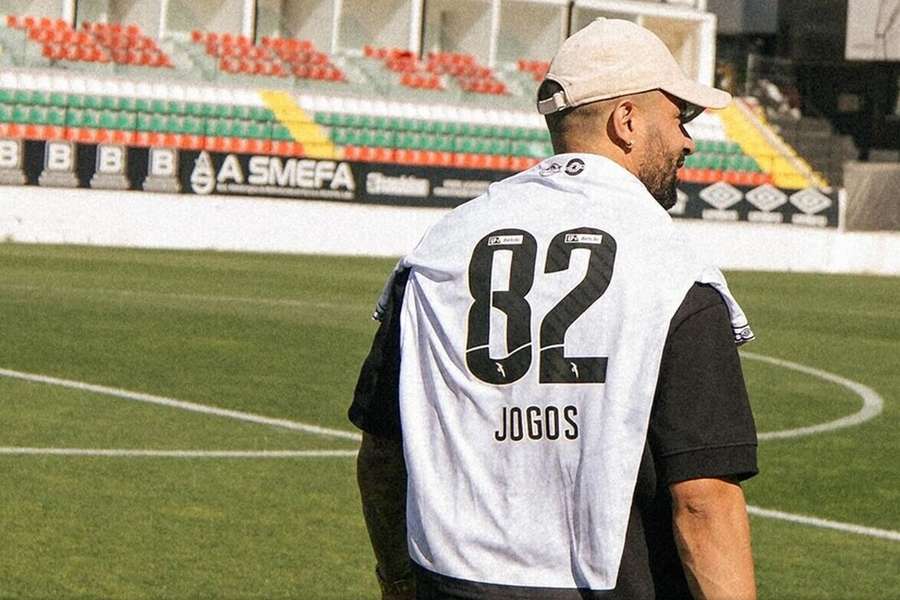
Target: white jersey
532, 331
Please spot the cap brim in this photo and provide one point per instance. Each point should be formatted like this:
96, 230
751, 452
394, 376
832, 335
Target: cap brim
699, 95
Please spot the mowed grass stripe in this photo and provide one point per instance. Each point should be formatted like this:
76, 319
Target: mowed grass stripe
145, 295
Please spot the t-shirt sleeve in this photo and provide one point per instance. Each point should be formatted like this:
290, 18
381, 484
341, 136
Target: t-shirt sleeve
376, 406
701, 424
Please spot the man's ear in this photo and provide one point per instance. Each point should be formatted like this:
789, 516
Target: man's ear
622, 126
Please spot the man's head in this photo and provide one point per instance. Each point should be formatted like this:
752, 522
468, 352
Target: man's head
614, 89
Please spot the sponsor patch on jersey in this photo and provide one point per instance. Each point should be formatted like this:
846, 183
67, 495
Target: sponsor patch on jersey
505, 240
574, 167
583, 238
551, 169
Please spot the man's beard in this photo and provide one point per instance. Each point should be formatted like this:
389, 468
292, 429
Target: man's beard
659, 173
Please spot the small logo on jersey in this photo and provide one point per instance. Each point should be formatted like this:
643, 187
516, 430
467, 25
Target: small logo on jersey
742, 335
574, 167
583, 238
505, 240
501, 370
551, 169
575, 370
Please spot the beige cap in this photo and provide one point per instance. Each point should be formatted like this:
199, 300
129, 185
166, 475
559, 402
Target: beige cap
613, 57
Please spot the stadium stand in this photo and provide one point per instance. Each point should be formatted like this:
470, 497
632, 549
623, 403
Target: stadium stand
377, 104
92, 43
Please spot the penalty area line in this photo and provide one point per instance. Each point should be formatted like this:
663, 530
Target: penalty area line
133, 453
884, 534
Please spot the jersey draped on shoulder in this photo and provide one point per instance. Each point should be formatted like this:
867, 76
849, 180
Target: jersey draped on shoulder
532, 330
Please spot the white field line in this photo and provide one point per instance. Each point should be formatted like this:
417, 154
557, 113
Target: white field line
180, 404
884, 534
118, 452
873, 404
190, 297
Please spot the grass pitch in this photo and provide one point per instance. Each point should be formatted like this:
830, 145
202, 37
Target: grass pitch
283, 337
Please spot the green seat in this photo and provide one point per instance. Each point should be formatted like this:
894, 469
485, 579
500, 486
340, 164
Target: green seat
260, 113
37, 115
6, 96
241, 112
19, 114
464, 144
158, 106
238, 128
194, 109
365, 122
74, 117
58, 99
158, 123
406, 140
222, 111
255, 130
380, 122
498, 146
5, 113
322, 118
173, 124
193, 125
383, 138
142, 122
90, 118
443, 143
715, 161
518, 133
338, 135
142, 105
176, 107
395, 124
265, 130
348, 120
220, 127
56, 116
92, 102
365, 137
126, 103
127, 120
281, 133
109, 119
109, 103
22, 97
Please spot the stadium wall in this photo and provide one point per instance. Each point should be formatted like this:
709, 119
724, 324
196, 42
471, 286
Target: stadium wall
151, 220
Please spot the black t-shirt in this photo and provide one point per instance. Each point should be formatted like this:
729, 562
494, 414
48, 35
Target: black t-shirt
700, 426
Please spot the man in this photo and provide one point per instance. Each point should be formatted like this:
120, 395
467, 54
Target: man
553, 406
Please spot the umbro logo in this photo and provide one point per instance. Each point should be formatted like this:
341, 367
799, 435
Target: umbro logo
574, 167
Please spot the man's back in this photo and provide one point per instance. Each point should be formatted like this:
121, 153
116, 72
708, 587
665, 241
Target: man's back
533, 325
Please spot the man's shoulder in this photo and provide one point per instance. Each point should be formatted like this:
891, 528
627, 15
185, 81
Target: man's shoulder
699, 298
